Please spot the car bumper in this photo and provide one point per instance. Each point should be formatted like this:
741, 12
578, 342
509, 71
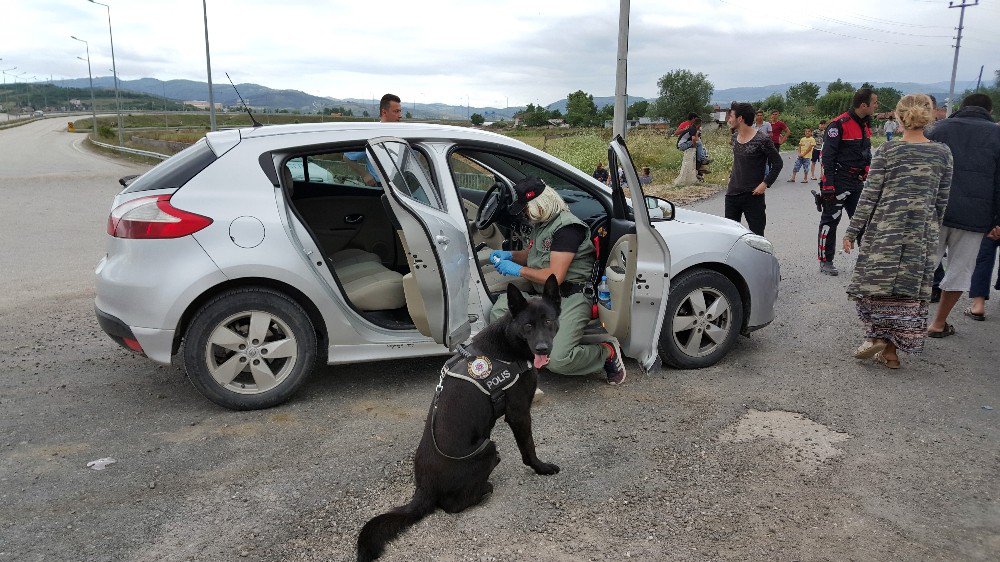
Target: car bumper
762, 275
143, 288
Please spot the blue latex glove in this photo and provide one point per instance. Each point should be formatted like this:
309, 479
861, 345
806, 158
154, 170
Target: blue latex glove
502, 254
509, 268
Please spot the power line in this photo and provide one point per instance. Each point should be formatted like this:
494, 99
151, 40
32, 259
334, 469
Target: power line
842, 22
842, 34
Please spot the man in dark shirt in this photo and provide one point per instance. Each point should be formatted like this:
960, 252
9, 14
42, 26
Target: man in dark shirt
601, 173
847, 153
753, 151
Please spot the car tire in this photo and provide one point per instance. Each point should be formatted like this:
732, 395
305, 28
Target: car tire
704, 316
241, 370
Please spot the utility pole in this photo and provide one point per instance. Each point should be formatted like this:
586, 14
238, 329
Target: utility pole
958, 45
621, 75
980, 79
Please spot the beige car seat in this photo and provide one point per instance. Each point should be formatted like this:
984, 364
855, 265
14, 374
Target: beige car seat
351, 256
368, 284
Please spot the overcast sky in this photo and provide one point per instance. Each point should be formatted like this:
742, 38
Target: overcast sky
502, 51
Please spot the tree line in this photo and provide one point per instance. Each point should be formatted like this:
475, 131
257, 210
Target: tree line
682, 92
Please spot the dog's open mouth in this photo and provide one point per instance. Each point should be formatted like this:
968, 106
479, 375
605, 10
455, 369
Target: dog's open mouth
541, 360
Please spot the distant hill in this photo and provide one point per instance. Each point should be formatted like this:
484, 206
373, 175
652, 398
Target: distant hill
258, 96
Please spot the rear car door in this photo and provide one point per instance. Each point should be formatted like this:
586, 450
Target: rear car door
646, 295
437, 242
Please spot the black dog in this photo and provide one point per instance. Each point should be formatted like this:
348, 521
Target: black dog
456, 456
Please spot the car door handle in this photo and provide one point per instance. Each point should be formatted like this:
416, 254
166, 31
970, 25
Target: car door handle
441, 240
354, 219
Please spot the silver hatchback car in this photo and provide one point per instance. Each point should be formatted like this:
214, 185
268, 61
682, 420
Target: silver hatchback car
255, 253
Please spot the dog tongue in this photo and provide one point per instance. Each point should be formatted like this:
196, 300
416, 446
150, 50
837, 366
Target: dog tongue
541, 360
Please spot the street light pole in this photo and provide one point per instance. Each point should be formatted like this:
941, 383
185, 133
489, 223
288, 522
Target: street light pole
114, 71
93, 108
208, 62
6, 109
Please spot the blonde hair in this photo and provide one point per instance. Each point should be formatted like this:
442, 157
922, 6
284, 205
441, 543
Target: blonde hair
548, 204
915, 111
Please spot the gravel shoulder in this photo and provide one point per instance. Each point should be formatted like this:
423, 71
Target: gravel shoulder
674, 465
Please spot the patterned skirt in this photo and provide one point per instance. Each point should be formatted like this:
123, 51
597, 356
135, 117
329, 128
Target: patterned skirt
899, 320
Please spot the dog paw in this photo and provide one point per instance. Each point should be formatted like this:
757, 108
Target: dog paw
546, 469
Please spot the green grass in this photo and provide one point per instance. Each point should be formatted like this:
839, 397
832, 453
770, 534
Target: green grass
584, 148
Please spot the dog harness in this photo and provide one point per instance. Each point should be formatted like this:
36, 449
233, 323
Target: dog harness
489, 375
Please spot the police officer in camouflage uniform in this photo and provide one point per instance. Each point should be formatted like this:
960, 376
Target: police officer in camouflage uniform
847, 154
559, 244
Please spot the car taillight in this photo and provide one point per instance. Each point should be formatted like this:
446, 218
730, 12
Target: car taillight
153, 217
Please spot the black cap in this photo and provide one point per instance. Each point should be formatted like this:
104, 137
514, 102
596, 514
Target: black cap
525, 190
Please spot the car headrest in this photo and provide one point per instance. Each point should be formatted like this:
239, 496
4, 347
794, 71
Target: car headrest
287, 181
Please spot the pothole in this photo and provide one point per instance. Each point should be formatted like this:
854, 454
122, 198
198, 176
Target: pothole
806, 442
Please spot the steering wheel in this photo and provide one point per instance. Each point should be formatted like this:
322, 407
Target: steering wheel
492, 201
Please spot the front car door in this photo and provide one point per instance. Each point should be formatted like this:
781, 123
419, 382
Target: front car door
649, 291
436, 241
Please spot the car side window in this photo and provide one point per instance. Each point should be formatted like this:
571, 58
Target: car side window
473, 166
468, 173
409, 172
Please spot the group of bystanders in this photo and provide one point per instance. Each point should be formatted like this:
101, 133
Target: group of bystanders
929, 198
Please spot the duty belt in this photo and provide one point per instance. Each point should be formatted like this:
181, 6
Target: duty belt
567, 289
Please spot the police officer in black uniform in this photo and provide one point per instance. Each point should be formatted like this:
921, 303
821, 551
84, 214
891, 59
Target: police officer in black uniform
847, 154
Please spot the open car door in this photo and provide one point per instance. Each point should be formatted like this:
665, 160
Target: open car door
637, 270
436, 242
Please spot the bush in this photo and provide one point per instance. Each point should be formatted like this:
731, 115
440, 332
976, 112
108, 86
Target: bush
105, 131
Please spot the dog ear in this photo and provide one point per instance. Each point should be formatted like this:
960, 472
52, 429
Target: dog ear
551, 291
515, 300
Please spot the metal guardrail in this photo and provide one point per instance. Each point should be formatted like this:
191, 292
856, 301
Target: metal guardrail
136, 151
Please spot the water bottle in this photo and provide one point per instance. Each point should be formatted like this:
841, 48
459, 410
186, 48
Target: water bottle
604, 293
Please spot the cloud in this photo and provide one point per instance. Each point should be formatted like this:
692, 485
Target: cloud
493, 52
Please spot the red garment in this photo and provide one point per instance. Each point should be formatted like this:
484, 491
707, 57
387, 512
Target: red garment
777, 128
682, 127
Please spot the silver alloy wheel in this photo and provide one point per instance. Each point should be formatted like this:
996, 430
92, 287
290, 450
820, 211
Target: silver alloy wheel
251, 352
702, 322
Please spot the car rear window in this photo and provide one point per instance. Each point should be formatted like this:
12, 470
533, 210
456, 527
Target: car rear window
177, 170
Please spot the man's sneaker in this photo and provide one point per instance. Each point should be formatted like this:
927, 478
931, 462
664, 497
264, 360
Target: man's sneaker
827, 268
614, 367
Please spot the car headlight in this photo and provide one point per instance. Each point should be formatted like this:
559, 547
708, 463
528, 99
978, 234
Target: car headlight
759, 243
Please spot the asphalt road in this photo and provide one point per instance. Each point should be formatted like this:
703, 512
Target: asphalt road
788, 449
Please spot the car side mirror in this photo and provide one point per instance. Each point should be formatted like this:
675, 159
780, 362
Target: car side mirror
659, 209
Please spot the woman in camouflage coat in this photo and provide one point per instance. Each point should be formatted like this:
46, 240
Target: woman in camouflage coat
900, 214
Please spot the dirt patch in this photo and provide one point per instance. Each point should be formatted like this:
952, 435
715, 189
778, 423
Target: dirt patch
807, 443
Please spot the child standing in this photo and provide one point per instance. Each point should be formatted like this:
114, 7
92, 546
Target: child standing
819, 134
806, 145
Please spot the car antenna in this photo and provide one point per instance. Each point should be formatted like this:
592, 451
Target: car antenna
252, 119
